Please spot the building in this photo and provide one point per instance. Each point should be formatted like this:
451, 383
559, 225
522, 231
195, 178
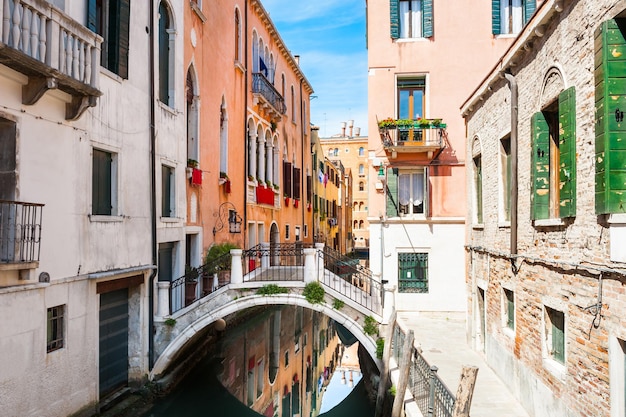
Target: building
417, 53
80, 216
351, 149
545, 253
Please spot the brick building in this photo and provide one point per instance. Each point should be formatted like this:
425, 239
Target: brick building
545, 250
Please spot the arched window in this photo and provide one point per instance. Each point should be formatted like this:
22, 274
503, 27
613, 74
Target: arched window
192, 117
361, 169
361, 186
255, 52
293, 104
360, 206
361, 151
360, 224
356, 205
237, 36
336, 151
356, 225
223, 138
166, 55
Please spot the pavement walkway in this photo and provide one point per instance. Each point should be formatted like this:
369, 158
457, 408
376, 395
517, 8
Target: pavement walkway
442, 337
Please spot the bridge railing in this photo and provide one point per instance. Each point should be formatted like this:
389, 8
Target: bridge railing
355, 281
430, 393
274, 262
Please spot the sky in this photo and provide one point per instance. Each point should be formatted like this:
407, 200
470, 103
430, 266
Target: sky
329, 36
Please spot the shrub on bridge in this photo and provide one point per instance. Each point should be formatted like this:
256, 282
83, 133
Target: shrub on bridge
314, 293
370, 326
271, 289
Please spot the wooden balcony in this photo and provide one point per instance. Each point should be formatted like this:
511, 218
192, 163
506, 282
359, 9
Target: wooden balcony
420, 136
52, 50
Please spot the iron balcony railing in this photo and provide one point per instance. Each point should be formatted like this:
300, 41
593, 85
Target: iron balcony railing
430, 393
262, 86
278, 262
20, 231
412, 135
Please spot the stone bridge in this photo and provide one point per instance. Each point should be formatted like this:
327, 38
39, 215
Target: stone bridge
350, 295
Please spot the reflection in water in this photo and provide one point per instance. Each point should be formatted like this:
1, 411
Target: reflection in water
280, 363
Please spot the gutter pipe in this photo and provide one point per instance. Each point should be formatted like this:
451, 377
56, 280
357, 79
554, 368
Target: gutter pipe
514, 160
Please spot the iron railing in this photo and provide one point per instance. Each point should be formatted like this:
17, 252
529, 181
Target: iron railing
276, 262
20, 231
261, 85
344, 275
199, 282
430, 393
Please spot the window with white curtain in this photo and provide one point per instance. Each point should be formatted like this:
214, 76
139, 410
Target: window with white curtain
411, 18
411, 193
512, 16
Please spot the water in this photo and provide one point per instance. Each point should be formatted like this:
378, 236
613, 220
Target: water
284, 362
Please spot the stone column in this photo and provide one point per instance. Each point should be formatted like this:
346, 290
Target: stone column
265, 255
269, 161
261, 152
319, 249
252, 155
236, 269
163, 298
389, 302
309, 265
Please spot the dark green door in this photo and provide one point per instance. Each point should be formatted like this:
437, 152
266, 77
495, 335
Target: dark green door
113, 341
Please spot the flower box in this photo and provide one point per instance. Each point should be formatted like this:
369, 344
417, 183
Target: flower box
264, 195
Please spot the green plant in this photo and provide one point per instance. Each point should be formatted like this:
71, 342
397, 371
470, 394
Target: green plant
191, 274
250, 178
314, 292
392, 390
276, 186
338, 304
370, 326
192, 163
223, 174
218, 257
170, 322
387, 123
271, 289
269, 183
380, 346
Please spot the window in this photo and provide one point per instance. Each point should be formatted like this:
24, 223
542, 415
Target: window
111, 20
8, 161
509, 16
361, 186
411, 18
224, 138
55, 333
361, 169
293, 105
192, 117
306, 230
413, 272
505, 178
406, 192
286, 232
251, 381
478, 189
553, 192
411, 95
286, 358
555, 334
356, 224
260, 378
617, 376
508, 301
166, 55
167, 191
361, 151
237, 37
104, 183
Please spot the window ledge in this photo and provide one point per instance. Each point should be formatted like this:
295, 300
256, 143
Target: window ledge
549, 222
167, 108
196, 8
99, 218
170, 219
406, 40
239, 66
478, 226
506, 35
508, 331
555, 368
504, 225
617, 218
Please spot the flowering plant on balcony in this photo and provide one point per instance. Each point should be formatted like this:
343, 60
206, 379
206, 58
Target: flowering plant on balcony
419, 123
388, 123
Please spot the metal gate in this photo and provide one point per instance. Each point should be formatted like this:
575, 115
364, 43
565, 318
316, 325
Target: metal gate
113, 341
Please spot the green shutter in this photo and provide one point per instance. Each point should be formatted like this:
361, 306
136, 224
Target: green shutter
392, 192
567, 151
540, 178
558, 336
529, 9
101, 183
610, 128
92, 24
123, 39
428, 18
495, 17
394, 18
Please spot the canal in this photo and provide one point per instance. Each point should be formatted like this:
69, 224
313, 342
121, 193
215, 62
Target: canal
284, 361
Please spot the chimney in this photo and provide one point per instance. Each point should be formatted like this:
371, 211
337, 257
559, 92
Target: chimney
343, 128
297, 58
357, 131
350, 124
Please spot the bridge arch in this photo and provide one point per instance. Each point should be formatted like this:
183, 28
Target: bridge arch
243, 303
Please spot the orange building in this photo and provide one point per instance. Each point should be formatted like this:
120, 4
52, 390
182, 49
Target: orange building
248, 135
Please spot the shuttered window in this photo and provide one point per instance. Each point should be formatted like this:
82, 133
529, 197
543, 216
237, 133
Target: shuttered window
411, 18
510, 16
167, 191
610, 76
413, 272
555, 327
553, 182
101, 193
478, 189
287, 179
111, 20
164, 53
392, 192
296, 183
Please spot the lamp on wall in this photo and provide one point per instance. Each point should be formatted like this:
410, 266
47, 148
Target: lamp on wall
227, 212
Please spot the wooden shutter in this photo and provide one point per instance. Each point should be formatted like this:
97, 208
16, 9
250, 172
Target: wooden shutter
529, 9
610, 73
540, 169
287, 179
123, 38
496, 21
567, 150
166, 191
428, 18
394, 18
296, 183
163, 53
309, 188
101, 183
92, 16
558, 335
392, 192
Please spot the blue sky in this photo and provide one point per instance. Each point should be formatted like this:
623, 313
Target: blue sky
329, 36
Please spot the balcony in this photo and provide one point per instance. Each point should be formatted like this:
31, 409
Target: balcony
52, 50
20, 234
267, 97
412, 136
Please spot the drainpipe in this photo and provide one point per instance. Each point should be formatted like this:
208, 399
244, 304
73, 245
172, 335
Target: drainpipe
245, 129
514, 188
153, 216
302, 171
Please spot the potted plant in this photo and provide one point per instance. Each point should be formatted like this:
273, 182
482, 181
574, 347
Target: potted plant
192, 163
217, 263
388, 123
276, 187
423, 123
191, 281
250, 177
286, 200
